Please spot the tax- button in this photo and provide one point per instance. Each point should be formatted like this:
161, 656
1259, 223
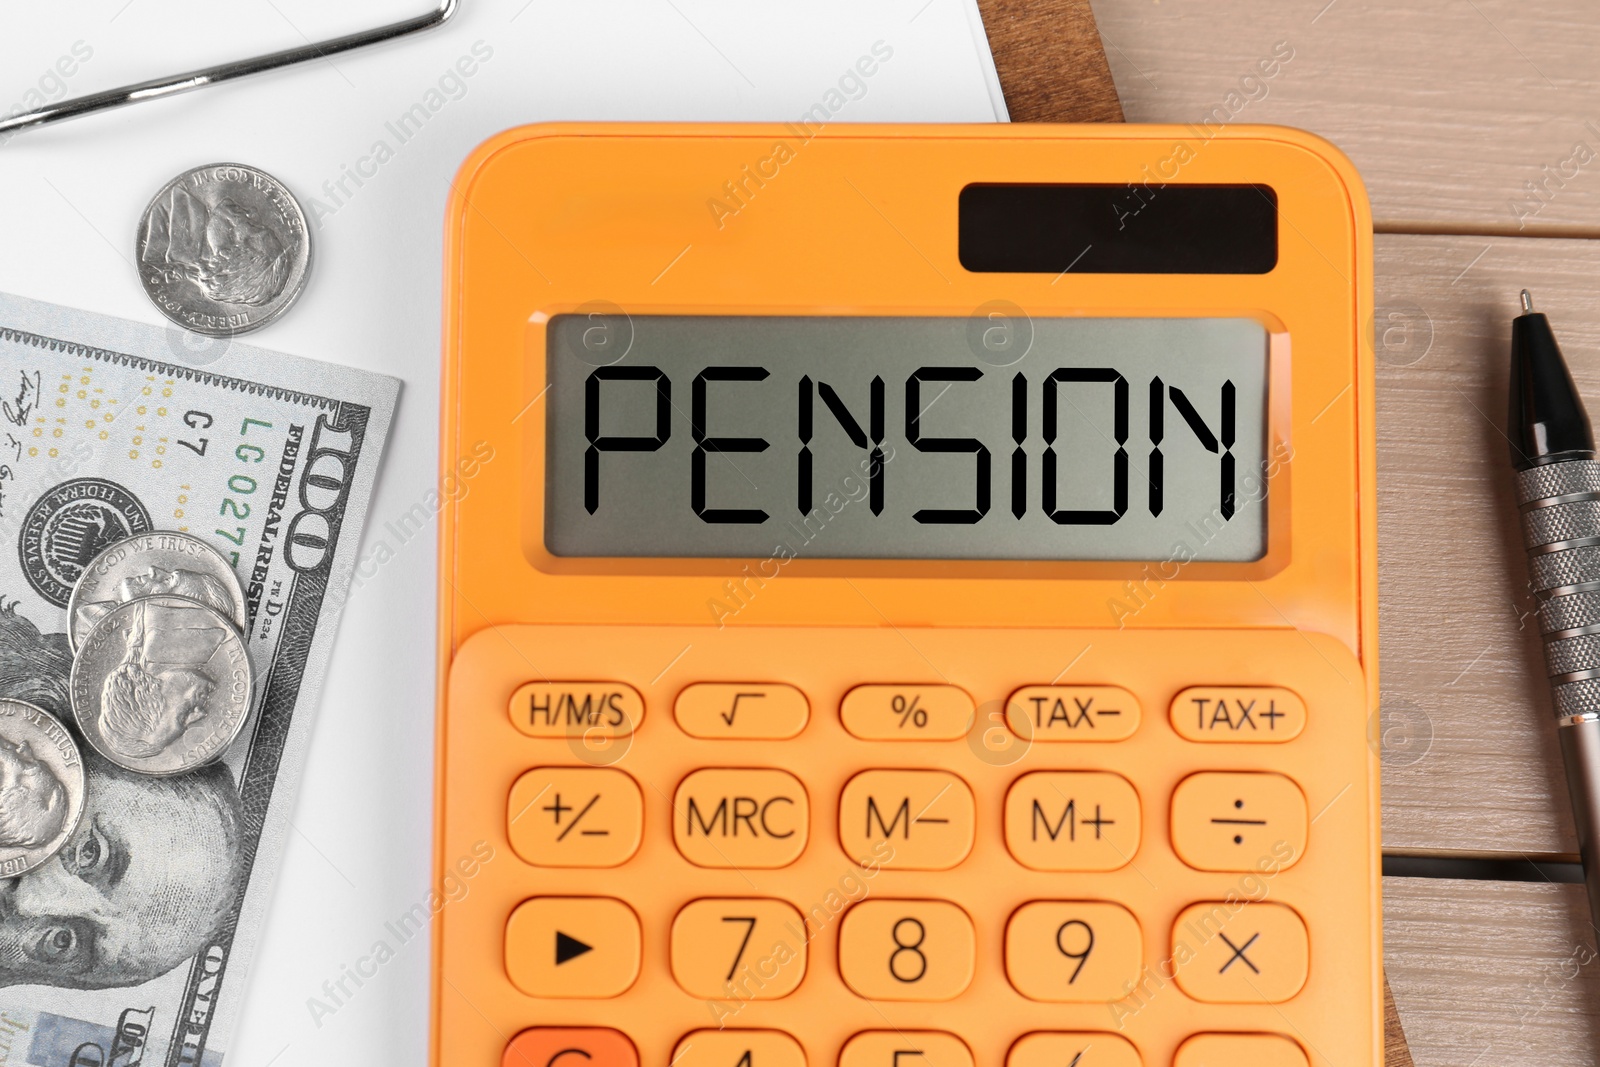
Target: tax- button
1238, 821
909, 820
734, 711
907, 949
552, 1046
1251, 713
907, 712
739, 949
741, 818
1073, 713
738, 1048
1072, 821
1240, 953
1239, 1050
1073, 951
572, 947
1067, 1049
575, 817
905, 1048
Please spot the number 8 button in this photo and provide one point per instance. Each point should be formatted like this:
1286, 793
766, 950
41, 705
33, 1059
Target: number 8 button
907, 950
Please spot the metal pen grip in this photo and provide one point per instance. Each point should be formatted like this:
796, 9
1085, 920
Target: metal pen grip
1561, 527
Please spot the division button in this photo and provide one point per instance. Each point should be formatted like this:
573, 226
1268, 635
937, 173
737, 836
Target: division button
1232, 953
907, 712
741, 818
550, 1046
572, 947
1072, 821
905, 1048
1081, 1049
1240, 713
738, 1048
575, 817
1239, 1050
1239, 821
907, 820
742, 710
1073, 713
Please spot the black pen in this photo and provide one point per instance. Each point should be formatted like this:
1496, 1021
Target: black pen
1558, 489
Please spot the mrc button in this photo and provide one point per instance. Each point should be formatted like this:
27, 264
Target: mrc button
739, 817
1250, 713
596, 710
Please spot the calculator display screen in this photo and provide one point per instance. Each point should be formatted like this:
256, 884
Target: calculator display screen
992, 437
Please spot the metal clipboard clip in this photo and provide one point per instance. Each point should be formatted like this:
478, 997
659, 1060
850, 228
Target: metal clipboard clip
224, 72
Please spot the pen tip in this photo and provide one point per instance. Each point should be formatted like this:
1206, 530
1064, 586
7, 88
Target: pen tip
1527, 302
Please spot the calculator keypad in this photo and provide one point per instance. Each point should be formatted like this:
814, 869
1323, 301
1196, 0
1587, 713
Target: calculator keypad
897, 875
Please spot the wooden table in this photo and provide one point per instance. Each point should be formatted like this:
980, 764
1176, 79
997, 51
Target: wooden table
1476, 124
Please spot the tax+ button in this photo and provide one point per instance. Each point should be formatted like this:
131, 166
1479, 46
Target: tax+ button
572, 947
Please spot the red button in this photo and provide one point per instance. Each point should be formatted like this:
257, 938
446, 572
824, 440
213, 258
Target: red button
570, 1047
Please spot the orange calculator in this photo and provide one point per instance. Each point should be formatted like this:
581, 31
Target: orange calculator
907, 599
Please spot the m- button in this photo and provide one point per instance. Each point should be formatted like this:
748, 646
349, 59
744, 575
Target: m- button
572, 947
741, 818
1226, 821
926, 818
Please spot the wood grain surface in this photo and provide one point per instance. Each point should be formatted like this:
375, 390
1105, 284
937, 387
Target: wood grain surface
1447, 107
1492, 973
1051, 65
1470, 760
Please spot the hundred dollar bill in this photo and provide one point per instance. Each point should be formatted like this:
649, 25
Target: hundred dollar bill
131, 945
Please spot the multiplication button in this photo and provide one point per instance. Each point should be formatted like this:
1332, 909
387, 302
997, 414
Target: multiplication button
1239, 713
1238, 821
1230, 953
1073, 713
1072, 821
575, 817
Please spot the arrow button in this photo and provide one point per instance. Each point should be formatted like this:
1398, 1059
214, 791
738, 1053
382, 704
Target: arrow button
569, 948
595, 943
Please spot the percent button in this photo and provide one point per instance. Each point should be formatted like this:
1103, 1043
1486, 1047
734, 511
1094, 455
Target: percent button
908, 712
